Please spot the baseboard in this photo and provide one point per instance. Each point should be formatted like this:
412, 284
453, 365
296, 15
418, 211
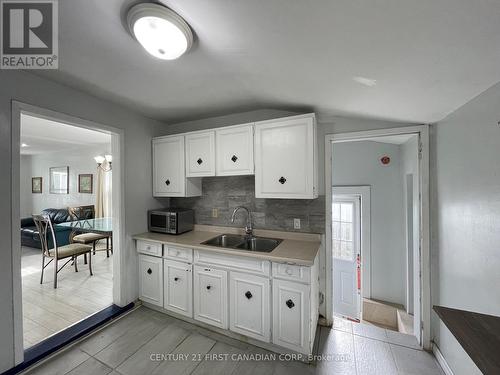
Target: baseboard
440, 358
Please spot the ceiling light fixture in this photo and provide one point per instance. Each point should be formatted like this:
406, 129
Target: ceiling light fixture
365, 81
162, 33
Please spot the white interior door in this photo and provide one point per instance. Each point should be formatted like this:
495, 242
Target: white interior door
346, 240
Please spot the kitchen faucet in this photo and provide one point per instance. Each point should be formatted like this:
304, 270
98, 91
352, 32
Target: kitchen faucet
249, 226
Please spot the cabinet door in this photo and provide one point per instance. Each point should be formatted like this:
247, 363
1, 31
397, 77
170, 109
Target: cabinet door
234, 155
168, 167
285, 158
178, 287
291, 315
200, 154
210, 296
151, 280
249, 301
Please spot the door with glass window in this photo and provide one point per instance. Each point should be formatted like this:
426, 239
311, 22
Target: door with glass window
346, 246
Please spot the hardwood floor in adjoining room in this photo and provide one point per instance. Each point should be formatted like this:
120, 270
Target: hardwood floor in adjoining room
149, 342
78, 295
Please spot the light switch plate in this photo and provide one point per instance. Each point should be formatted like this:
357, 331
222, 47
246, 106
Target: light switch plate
296, 223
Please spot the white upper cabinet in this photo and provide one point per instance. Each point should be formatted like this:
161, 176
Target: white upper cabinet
200, 154
169, 176
234, 153
286, 158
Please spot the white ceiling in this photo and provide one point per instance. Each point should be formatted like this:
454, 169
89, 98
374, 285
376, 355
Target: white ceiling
398, 139
45, 136
428, 57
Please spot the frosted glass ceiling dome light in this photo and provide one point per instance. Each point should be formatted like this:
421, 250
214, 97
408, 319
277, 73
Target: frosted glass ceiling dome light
162, 33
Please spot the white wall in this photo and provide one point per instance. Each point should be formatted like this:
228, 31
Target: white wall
79, 161
465, 207
138, 130
26, 207
411, 218
358, 163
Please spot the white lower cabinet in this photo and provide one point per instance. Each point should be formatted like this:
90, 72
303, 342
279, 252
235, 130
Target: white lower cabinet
210, 296
178, 287
151, 279
234, 293
249, 299
291, 315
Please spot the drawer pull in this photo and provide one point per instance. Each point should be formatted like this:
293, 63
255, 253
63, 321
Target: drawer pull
234, 158
290, 303
149, 271
167, 182
248, 294
288, 271
176, 279
177, 253
199, 161
282, 180
209, 287
148, 247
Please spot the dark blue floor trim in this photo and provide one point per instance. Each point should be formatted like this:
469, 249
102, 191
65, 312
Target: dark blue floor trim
70, 334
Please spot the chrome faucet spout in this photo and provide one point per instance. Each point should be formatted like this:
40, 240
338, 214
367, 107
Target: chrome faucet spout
249, 225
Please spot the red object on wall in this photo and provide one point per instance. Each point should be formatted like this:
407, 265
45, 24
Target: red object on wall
385, 160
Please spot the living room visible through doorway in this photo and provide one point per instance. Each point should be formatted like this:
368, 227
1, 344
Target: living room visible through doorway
66, 229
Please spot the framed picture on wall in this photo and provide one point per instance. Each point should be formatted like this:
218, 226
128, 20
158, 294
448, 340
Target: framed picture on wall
36, 185
85, 183
59, 180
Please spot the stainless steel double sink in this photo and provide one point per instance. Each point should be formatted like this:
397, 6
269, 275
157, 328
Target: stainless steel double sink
233, 241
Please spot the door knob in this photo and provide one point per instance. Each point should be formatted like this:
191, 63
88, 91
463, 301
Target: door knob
248, 295
167, 182
199, 161
282, 180
290, 303
234, 158
176, 279
149, 271
209, 287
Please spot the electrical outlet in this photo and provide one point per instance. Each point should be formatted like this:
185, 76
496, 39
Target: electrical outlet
215, 212
296, 223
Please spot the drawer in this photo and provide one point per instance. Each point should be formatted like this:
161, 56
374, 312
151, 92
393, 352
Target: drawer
292, 272
179, 253
260, 267
150, 248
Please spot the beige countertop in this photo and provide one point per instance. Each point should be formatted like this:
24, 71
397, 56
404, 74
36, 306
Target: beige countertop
296, 248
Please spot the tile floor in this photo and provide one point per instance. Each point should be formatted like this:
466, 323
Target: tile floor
47, 310
148, 342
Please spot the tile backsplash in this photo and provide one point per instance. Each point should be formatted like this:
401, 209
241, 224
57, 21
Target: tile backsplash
225, 193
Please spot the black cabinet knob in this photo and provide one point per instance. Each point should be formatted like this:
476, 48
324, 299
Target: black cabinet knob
290, 303
209, 287
149, 271
234, 158
199, 161
282, 180
248, 295
167, 182
176, 279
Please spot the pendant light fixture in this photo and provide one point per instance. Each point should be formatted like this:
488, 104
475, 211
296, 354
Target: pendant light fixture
162, 32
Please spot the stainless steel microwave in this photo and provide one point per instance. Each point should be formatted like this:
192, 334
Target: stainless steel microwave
171, 220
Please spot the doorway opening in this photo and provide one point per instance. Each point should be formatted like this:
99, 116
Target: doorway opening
66, 272
60, 185
374, 236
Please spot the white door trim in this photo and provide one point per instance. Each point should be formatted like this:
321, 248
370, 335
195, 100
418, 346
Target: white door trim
423, 132
362, 191
117, 147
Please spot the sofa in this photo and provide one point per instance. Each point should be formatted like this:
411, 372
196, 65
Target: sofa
29, 233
